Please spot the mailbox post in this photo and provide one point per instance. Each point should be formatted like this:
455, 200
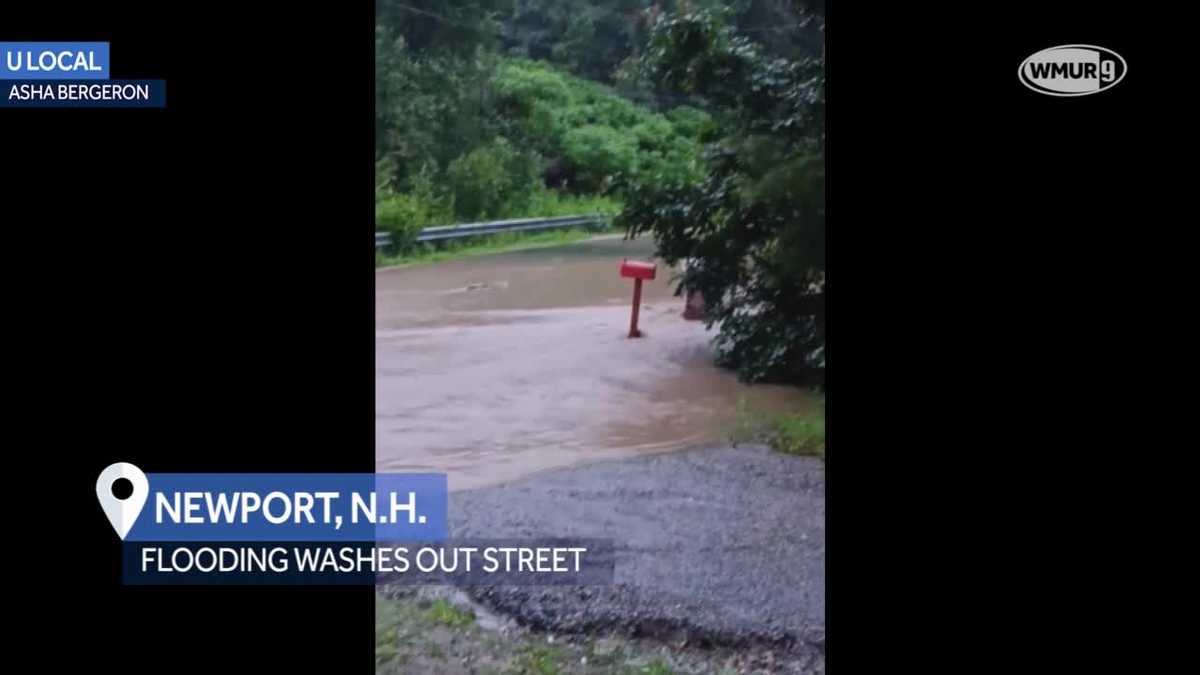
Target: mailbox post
636, 270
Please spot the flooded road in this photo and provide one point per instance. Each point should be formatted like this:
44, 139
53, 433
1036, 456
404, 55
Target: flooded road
493, 367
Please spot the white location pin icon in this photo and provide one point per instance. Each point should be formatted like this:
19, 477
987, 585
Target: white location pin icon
122, 513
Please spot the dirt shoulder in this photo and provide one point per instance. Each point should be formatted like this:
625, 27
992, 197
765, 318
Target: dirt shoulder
720, 555
439, 630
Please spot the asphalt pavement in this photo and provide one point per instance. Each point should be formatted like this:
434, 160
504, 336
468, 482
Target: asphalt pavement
715, 546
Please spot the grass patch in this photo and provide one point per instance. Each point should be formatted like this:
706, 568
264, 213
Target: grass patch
538, 660
446, 614
655, 667
548, 203
419, 632
388, 618
800, 435
484, 245
792, 434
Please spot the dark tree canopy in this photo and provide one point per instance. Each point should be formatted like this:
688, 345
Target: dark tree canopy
752, 232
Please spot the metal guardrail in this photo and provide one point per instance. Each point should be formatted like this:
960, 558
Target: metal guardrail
445, 232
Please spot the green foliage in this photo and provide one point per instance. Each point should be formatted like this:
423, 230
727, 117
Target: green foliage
445, 613
600, 155
467, 129
543, 203
403, 215
462, 140
429, 107
656, 666
492, 180
593, 37
800, 435
691, 122
605, 140
456, 27
588, 36
388, 618
538, 660
751, 233
547, 203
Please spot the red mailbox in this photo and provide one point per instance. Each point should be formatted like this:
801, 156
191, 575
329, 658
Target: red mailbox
637, 270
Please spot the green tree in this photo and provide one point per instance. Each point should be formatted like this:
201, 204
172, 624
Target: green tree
752, 231
492, 181
457, 27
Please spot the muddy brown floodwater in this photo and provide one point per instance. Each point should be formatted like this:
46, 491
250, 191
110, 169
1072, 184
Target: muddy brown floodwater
493, 367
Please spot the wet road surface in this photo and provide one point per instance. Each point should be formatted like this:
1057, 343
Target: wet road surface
493, 367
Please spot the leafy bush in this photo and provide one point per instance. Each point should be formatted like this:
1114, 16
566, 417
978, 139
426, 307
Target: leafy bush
463, 138
752, 230
600, 155
491, 181
529, 83
403, 215
607, 139
547, 203
654, 133
691, 122
429, 108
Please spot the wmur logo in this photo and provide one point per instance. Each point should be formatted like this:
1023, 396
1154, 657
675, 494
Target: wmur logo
1072, 70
